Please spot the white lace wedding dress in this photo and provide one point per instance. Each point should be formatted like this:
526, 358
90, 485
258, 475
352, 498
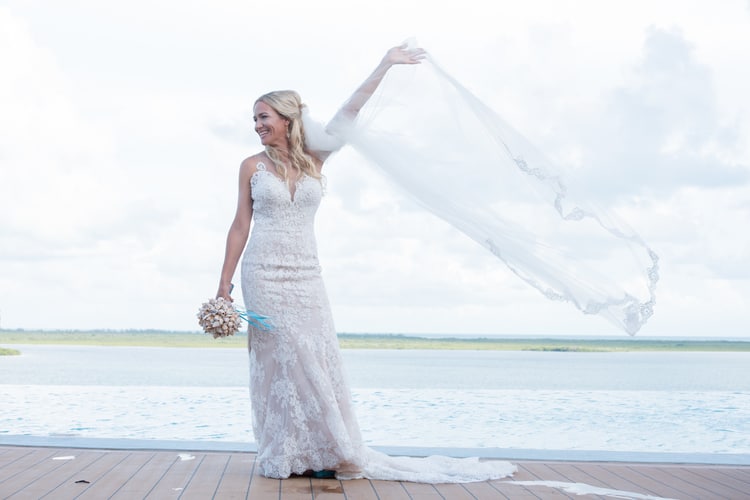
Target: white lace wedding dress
303, 417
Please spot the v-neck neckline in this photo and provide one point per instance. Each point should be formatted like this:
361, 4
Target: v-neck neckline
291, 188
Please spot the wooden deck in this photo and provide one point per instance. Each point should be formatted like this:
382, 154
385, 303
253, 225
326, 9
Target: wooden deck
61, 473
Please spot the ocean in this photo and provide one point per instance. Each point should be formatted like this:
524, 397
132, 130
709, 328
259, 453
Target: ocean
682, 402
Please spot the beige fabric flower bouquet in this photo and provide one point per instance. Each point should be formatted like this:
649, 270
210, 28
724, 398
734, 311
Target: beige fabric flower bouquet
219, 317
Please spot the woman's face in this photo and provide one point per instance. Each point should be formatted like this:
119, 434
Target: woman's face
269, 125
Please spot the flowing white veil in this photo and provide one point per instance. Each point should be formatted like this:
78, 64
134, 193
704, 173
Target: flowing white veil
460, 160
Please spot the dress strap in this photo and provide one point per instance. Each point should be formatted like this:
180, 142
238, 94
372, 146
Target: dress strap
261, 166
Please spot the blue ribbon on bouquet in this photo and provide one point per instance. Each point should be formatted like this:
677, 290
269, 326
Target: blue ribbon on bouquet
254, 319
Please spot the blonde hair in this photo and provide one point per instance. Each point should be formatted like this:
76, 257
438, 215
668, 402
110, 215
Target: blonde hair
288, 104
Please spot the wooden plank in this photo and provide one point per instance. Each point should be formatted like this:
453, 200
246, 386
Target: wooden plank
536, 471
31, 473
69, 485
684, 483
512, 491
263, 487
327, 489
9, 466
576, 474
496, 489
106, 482
617, 477
568, 472
521, 474
13, 453
544, 471
551, 472
296, 488
390, 490
235, 479
36, 458
359, 489
136, 481
661, 481
658, 480
710, 476
421, 490
40, 476
173, 482
508, 489
558, 472
454, 491
740, 473
205, 481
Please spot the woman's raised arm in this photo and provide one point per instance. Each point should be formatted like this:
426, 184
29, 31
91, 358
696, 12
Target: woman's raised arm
323, 141
397, 55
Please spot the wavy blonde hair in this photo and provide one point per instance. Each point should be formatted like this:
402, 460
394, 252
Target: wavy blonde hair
288, 104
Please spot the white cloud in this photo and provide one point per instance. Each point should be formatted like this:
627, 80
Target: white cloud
58, 173
663, 129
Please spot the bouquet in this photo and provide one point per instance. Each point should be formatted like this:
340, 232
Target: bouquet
220, 318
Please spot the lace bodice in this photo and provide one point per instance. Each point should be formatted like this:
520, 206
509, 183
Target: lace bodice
280, 207
282, 244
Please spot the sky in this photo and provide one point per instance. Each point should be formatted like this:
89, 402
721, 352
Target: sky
123, 124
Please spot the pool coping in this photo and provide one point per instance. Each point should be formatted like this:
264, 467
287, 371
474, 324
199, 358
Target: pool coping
489, 453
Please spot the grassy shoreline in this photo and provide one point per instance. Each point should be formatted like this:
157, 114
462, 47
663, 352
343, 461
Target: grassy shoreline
159, 338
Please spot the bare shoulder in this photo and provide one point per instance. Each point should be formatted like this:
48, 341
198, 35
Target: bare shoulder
250, 164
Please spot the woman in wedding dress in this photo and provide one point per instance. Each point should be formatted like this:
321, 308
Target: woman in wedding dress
302, 413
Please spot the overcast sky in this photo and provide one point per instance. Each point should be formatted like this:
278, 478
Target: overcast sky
123, 124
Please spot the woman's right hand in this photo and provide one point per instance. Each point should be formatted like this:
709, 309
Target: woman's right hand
224, 292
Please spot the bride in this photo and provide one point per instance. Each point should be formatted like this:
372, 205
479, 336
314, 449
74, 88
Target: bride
302, 413
460, 160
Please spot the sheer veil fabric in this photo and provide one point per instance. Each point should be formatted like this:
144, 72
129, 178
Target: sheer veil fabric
461, 161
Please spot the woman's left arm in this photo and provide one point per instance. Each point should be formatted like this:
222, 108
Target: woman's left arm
322, 141
397, 55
